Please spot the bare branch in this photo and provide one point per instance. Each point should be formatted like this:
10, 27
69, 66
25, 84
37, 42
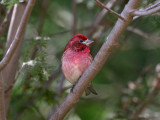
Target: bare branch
97, 63
9, 72
147, 13
143, 34
66, 31
20, 30
2, 100
43, 8
6, 21
109, 10
100, 17
153, 6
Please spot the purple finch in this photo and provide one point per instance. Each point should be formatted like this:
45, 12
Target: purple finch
76, 59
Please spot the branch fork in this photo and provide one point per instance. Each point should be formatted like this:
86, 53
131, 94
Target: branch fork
109, 10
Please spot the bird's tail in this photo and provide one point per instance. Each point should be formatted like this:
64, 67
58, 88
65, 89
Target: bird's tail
90, 89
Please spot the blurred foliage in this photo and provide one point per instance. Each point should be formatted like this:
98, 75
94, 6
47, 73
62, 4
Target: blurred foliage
124, 82
9, 3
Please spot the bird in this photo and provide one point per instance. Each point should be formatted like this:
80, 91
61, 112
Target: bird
76, 59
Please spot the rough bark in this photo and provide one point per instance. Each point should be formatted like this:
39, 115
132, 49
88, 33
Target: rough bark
2, 101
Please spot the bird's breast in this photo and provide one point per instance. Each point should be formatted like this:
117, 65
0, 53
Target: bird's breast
74, 64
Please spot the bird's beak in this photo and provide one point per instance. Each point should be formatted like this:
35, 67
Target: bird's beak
88, 42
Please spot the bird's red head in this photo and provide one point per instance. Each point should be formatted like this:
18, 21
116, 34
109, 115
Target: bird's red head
78, 42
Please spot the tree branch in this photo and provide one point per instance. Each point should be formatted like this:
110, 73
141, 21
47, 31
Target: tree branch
9, 72
12, 47
109, 10
18, 35
6, 21
153, 6
148, 11
98, 62
100, 17
2, 100
143, 34
43, 8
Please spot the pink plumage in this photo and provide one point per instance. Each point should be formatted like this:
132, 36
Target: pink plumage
74, 64
76, 58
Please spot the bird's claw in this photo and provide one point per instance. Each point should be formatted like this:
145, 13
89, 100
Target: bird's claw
72, 89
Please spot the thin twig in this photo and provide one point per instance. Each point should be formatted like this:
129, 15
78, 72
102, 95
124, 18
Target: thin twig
143, 34
43, 8
100, 17
135, 17
152, 6
66, 31
109, 10
124, 40
148, 11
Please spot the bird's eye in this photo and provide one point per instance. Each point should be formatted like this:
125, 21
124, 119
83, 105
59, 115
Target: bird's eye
81, 41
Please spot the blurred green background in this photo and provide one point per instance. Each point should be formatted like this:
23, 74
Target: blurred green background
123, 84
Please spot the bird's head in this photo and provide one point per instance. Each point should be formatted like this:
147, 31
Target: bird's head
78, 42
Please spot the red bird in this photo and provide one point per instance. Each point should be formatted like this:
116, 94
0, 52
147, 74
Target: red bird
76, 59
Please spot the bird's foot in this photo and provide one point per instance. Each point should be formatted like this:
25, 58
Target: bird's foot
72, 89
